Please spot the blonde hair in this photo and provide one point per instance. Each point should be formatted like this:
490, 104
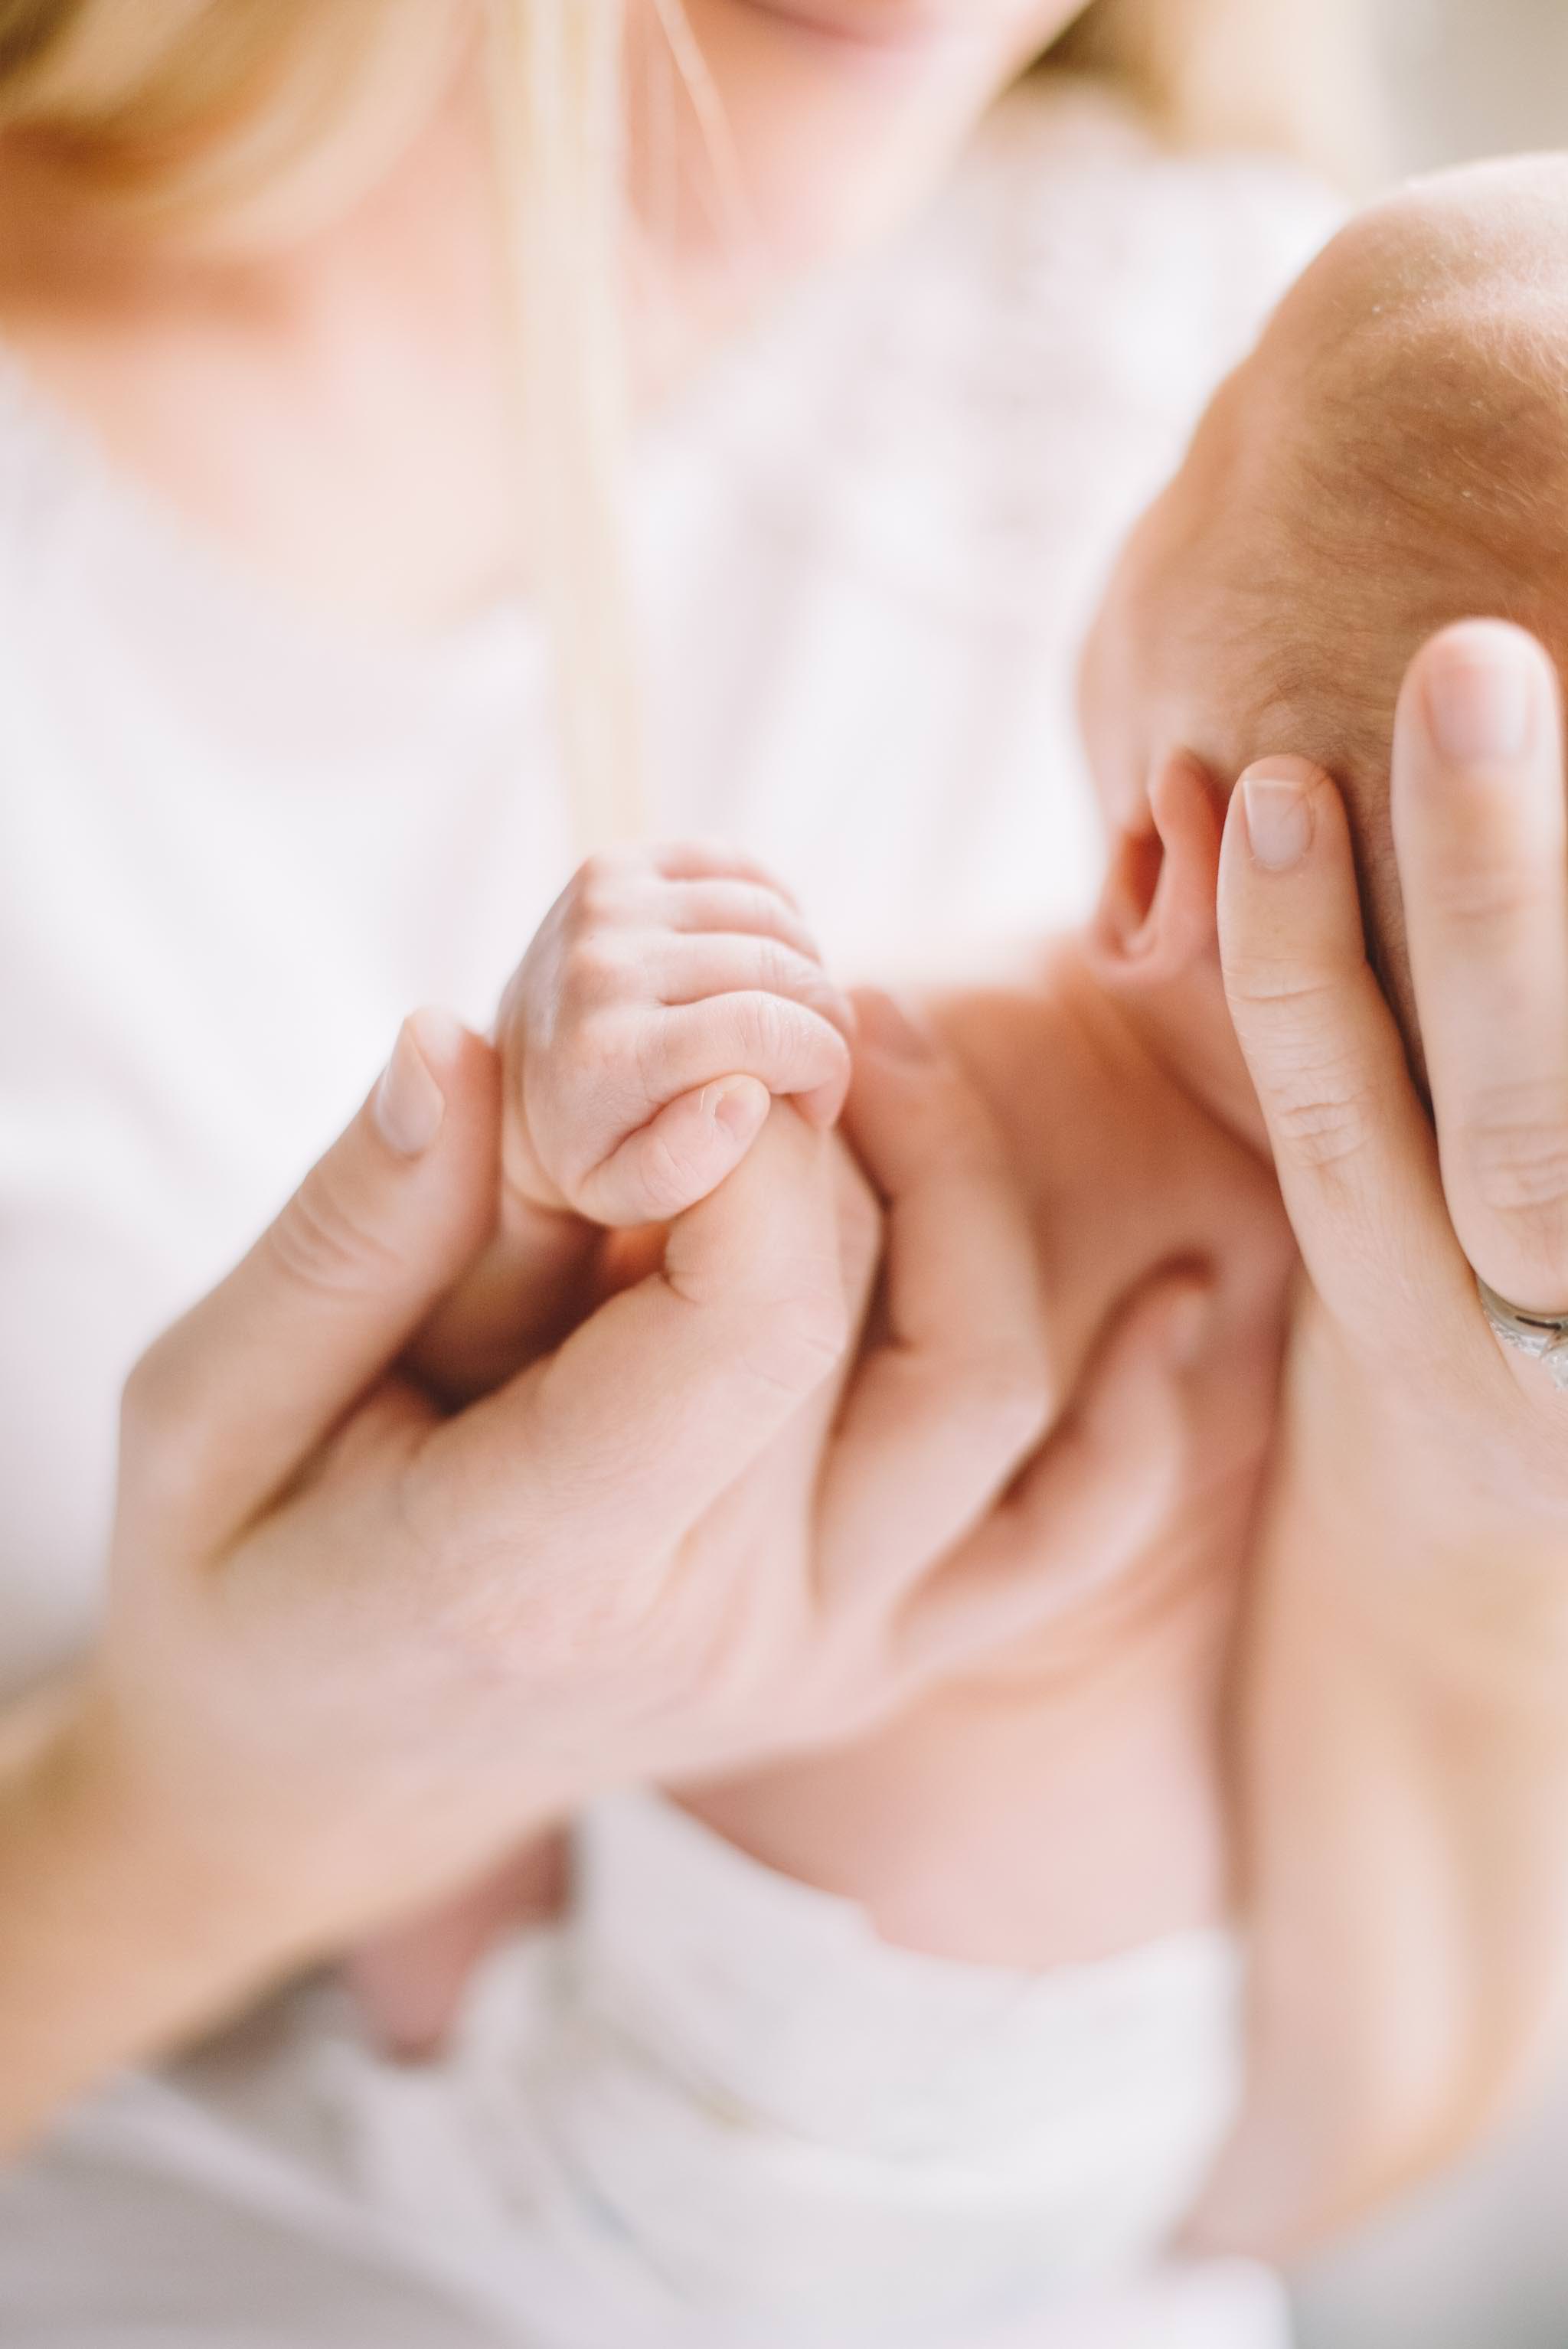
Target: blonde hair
186, 105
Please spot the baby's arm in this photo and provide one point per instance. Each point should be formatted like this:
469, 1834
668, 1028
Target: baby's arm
670, 993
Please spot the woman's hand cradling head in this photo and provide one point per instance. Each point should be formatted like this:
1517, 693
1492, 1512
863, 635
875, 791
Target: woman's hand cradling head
1408, 1740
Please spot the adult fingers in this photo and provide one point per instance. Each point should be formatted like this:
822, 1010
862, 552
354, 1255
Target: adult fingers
1481, 831
529, 1286
1355, 1154
226, 1407
1092, 1501
656, 1405
957, 1392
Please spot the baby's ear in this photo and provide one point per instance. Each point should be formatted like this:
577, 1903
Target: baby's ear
1156, 915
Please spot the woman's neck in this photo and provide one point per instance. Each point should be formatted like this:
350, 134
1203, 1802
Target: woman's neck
326, 405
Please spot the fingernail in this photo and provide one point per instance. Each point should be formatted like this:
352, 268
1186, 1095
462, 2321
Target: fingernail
739, 1104
1279, 818
1481, 697
888, 1028
409, 1104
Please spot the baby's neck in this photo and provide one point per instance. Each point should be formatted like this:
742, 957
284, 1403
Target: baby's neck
1182, 1026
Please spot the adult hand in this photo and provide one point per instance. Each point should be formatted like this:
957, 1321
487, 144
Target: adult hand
1406, 1734
893, 1534
356, 1647
353, 1645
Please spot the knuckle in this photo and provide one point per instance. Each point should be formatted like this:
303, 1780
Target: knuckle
769, 1028
1320, 1100
322, 1241
780, 970
799, 1340
147, 1393
731, 864
601, 887
1287, 993
1482, 891
1326, 1122
596, 970
1517, 1149
160, 1442
636, 1057
671, 1176
765, 903
149, 1408
1320, 1097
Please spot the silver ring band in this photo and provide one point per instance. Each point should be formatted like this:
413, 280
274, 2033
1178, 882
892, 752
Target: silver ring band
1543, 1335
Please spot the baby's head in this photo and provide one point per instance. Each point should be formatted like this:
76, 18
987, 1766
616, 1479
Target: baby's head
1393, 456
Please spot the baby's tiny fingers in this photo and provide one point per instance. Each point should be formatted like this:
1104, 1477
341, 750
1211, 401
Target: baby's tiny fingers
679, 1157
712, 860
790, 1049
682, 970
739, 906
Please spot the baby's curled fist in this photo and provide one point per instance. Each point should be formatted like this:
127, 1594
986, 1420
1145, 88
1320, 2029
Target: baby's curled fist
670, 994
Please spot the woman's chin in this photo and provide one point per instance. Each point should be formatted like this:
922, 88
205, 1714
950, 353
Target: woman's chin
883, 29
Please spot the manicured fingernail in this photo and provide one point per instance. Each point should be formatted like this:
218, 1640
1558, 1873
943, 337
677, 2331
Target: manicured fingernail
1279, 818
739, 1104
888, 1028
409, 1104
1481, 695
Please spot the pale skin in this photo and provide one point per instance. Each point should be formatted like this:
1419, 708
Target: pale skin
621, 1075
266, 372
1420, 1505
669, 996
615, 1101
926, 1822
1401, 1798
1404, 1657
185, 356
1017, 1814
233, 1753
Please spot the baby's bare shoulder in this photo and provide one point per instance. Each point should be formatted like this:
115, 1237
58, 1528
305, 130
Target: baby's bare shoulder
1124, 1169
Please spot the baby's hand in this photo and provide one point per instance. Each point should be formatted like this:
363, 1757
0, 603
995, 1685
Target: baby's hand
669, 994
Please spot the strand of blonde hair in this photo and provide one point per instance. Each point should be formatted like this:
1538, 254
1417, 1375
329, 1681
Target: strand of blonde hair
555, 77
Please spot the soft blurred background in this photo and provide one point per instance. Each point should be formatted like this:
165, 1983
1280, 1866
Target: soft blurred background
1474, 78
1480, 2262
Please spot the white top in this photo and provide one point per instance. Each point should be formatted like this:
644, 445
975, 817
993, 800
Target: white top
237, 845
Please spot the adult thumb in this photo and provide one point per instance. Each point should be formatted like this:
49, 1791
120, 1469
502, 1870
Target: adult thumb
230, 1402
